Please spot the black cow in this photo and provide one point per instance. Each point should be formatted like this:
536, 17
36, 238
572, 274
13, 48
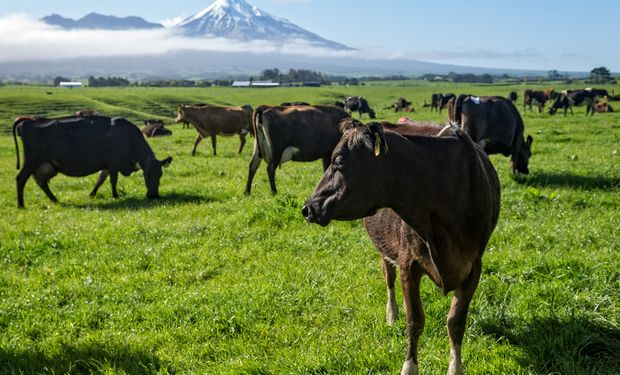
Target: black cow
289, 104
297, 133
360, 104
440, 101
79, 146
569, 98
496, 125
513, 97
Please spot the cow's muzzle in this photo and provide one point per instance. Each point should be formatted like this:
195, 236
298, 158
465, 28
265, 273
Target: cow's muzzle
312, 213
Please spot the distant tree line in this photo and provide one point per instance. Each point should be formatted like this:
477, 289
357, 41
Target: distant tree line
107, 82
298, 75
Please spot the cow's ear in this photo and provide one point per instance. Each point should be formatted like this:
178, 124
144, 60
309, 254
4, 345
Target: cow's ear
529, 141
166, 162
380, 145
348, 123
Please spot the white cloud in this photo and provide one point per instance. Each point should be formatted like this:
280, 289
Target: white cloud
23, 38
169, 22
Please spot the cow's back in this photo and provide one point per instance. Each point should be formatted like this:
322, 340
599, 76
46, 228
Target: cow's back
312, 130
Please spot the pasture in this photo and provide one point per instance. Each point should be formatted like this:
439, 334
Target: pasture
209, 281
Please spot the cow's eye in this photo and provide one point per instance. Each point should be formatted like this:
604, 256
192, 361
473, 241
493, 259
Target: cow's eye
338, 163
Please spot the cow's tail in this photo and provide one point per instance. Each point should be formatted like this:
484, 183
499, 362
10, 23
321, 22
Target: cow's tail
458, 108
15, 124
261, 138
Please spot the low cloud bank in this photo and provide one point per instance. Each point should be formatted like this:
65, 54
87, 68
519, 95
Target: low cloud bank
24, 38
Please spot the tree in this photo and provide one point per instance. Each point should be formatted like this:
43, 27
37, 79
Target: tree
601, 75
59, 79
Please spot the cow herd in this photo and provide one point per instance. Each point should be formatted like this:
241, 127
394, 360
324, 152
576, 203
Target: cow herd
439, 228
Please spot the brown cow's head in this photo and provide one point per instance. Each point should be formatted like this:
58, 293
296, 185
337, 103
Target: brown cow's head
181, 115
152, 174
521, 164
352, 186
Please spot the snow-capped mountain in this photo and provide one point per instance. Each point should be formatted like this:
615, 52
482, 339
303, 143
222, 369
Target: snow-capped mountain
100, 21
237, 19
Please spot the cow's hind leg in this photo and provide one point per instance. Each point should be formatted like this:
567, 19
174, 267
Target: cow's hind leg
457, 317
410, 276
242, 139
20, 181
254, 163
103, 175
389, 272
196, 142
271, 173
42, 175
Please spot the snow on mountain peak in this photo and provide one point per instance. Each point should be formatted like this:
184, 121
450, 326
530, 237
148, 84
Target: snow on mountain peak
237, 19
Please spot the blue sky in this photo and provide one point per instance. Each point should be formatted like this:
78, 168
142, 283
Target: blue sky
559, 34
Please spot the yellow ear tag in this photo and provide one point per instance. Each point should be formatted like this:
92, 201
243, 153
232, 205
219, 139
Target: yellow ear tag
377, 144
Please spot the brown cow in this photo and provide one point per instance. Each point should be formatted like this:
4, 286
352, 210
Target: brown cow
439, 228
155, 128
86, 113
302, 133
213, 120
537, 97
495, 124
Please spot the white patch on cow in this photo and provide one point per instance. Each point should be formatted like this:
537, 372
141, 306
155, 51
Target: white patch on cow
475, 99
409, 368
391, 312
264, 145
456, 366
288, 154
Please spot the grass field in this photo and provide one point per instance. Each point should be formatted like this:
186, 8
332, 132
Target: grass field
209, 281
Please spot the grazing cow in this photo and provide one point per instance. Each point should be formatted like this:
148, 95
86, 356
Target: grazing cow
496, 125
288, 104
539, 98
443, 100
86, 113
155, 128
513, 97
302, 133
213, 120
439, 228
403, 105
567, 99
360, 104
77, 146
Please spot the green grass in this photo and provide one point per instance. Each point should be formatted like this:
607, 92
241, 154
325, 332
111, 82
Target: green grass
207, 280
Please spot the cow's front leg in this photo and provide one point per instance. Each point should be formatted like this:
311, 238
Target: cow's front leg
113, 181
410, 276
242, 139
196, 142
214, 144
457, 317
389, 273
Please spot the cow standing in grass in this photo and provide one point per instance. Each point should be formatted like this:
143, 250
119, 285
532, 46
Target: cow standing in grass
569, 98
430, 200
359, 104
80, 146
298, 133
210, 121
496, 125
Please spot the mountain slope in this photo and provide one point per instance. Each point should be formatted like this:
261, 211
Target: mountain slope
236, 19
100, 21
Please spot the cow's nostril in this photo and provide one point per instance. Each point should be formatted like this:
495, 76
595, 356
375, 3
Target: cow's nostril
305, 211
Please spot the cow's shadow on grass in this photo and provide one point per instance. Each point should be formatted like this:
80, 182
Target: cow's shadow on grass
567, 180
551, 345
78, 359
142, 203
